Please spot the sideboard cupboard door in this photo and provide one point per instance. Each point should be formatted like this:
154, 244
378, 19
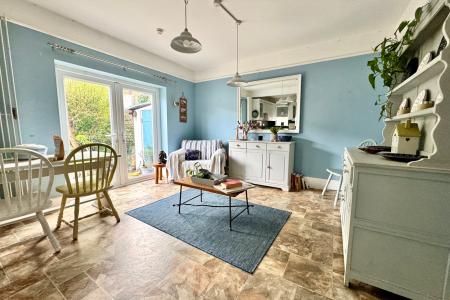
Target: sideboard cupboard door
255, 169
277, 165
237, 162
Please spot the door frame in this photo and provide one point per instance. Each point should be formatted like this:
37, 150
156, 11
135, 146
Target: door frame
120, 119
117, 84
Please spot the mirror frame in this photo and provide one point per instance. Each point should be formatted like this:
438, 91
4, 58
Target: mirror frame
298, 108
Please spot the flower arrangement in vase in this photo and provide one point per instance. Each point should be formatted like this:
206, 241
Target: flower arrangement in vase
245, 127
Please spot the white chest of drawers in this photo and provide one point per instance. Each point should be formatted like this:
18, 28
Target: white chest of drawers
261, 162
396, 226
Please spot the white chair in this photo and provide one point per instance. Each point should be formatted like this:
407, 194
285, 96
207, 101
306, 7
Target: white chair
212, 157
338, 172
26, 181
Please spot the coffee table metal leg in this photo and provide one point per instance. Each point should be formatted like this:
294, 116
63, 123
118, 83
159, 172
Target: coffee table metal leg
201, 195
179, 201
229, 207
246, 200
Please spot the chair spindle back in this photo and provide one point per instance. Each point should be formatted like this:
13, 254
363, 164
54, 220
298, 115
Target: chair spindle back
21, 179
92, 168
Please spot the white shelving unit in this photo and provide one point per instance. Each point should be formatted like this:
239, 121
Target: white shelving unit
415, 114
435, 77
395, 216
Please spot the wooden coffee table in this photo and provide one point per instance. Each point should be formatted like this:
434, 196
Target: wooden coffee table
187, 182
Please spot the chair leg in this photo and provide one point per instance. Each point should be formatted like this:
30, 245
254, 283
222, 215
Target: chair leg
75, 218
105, 193
326, 185
48, 232
99, 202
157, 175
61, 211
338, 192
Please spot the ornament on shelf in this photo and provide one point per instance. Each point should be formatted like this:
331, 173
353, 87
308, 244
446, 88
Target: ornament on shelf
422, 101
405, 107
425, 60
442, 46
405, 139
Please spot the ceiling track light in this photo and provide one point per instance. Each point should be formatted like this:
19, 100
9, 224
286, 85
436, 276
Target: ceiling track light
185, 42
236, 80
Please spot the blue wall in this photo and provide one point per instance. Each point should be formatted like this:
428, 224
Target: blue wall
336, 111
34, 72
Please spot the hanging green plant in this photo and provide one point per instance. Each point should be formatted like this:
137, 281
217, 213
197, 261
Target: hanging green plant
391, 60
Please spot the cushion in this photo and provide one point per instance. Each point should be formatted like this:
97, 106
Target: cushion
206, 147
192, 154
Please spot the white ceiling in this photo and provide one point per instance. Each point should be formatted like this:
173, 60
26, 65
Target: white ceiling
269, 26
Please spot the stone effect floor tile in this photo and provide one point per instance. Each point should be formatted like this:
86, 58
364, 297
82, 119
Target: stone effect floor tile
131, 260
309, 274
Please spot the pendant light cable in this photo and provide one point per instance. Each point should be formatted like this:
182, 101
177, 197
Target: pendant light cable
237, 47
185, 13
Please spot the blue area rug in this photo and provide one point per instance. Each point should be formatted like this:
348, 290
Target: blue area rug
206, 228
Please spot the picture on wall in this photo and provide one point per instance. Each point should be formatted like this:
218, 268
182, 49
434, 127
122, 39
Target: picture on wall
183, 109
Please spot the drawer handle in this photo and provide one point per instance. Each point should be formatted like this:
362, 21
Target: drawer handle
279, 147
257, 146
238, 145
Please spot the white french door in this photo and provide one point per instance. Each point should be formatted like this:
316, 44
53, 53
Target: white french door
98, 107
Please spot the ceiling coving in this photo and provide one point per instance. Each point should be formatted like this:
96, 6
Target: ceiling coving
277, 33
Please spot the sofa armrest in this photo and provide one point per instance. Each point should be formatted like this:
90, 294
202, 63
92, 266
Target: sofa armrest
180, 153
218, 161
174, 161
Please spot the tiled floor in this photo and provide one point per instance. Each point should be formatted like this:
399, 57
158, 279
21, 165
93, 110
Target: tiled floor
131, 260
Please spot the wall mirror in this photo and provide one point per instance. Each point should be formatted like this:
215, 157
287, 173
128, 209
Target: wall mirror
271, 102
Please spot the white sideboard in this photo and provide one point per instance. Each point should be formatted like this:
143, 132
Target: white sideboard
261, 162
396, 226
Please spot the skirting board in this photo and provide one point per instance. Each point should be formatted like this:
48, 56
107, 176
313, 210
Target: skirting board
319, 183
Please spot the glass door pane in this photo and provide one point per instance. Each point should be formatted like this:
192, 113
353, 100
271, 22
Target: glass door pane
138, 131
88, 112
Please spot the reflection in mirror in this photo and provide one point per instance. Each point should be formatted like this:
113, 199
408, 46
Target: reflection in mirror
243, 108
271, 103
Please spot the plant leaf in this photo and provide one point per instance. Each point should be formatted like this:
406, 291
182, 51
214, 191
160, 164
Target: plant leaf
402, 26
372, 80
418, 13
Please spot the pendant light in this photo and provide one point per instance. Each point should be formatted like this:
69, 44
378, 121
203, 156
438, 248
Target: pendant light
237, 80
185, 42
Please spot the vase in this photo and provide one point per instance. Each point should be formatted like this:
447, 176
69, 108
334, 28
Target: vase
244, 135
274, 137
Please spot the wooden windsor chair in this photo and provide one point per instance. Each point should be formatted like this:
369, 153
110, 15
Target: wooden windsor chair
26, 182
89, 170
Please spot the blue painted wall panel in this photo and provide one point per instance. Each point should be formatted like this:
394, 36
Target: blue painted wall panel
336, 111
35, 80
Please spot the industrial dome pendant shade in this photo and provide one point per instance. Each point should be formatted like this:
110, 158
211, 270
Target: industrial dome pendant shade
237, 80
185, 42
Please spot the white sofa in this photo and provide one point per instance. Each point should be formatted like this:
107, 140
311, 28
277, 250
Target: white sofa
212, 157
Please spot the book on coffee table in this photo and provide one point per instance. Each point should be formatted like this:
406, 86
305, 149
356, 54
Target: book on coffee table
232, 190
231, 183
